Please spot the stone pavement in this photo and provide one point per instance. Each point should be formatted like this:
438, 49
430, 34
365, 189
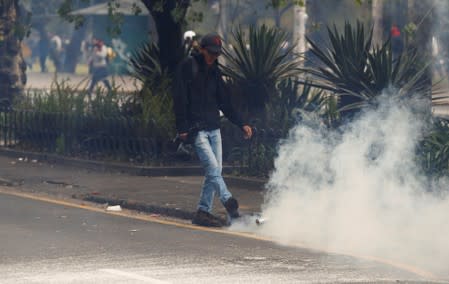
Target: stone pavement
167, 195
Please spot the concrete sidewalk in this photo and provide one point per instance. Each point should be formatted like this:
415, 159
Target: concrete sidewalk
44, 81
173, 196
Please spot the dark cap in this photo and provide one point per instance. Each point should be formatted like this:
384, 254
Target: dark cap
211, 42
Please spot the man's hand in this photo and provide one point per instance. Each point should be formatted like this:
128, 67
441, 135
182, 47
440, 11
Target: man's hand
248, 132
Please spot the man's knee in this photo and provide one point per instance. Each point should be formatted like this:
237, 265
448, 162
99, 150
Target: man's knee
213, 171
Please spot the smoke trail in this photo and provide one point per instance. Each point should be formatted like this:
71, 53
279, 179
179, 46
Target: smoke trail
359, 190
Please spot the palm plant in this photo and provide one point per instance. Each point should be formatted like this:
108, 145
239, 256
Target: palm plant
155, 98
434, 150
257, 63
293, 102
358, 73
145, 64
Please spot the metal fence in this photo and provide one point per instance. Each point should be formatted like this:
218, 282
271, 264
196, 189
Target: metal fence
71, 134
118, 138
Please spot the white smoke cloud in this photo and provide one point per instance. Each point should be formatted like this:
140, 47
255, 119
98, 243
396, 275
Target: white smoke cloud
359, 190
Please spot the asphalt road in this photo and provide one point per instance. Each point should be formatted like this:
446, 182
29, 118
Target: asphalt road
45, 242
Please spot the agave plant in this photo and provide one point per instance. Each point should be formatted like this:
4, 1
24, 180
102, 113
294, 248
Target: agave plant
153, 101
258, 62
145, 64
435, 149
358, 73
292, 103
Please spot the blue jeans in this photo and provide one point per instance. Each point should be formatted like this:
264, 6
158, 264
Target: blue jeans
208, 148
99, 74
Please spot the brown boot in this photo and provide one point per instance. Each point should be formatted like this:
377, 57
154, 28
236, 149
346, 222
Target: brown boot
203, 218
232, 206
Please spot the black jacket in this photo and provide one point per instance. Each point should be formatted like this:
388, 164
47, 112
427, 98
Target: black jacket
199, 94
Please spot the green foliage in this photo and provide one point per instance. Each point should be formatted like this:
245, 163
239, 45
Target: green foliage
195, 16
65, 9
292, 103
60, 144
154, 101
157, 113
259, 67
145, 65
116, 19
68, 120
265, 61
261, 159
22, 28
342, 66
104, 102
351, 68
286, 109
17, 26
434, 150
62, 97
282, 3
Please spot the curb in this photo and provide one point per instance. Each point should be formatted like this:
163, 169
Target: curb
138, 206
252, 184
247, 183
104, 166
6, 182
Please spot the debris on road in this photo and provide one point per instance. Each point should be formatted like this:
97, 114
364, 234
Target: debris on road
115, 208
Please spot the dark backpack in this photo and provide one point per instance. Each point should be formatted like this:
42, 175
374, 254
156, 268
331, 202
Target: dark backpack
194, 68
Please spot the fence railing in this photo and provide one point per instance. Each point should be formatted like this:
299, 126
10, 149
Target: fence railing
70, 134
119, 137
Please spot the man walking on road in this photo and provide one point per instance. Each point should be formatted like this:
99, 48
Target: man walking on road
199, 95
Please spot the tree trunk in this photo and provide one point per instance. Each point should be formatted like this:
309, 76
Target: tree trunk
222, 27
378, 28
422, 14
169, 30
12, 64
299, 28
280, 11
277, 18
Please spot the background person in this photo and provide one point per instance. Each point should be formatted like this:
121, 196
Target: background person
191, 44
43, 47
397, 43
98, 65
56, 49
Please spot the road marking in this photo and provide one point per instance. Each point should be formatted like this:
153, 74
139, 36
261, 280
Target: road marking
127, 214
133, 276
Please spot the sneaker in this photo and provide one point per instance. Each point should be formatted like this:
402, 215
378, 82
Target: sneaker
203, 218
232, 207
